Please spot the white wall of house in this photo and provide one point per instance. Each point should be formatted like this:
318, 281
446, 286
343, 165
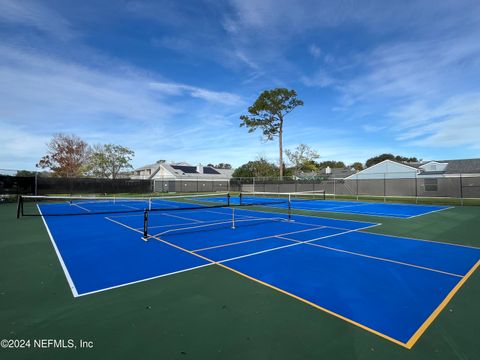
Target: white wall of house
386, 169
434, 166
163, 173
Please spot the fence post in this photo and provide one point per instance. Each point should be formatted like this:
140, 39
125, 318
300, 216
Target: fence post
416, 188
461, 190
384, 187
334, 189
357, 186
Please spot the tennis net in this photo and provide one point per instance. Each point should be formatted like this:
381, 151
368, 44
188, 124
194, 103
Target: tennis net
70, 205
273, 198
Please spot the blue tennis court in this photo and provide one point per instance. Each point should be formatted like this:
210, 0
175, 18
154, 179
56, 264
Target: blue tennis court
391, 286
403, 211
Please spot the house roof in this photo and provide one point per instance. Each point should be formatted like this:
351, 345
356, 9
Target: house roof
462, 166
456, 166
184, 170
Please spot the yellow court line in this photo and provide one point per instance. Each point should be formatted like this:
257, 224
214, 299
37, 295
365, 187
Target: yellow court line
411, 342
287, 293
315, 306
440, 307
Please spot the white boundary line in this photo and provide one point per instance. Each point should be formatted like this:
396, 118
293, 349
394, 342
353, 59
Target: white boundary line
257, 239
335, 209
286, 246
146, 279
181, 217
310, 216
80, 207
378, 258
431, 212
59, 256
431, 241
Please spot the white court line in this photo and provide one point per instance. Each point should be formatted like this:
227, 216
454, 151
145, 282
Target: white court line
431, 212
166, 225
59, 256
379, 258
338, 209
315, 217
181, 217
257, 239
146, 279
424, 240
131, 207
217, 223
353, 213
286, 246
81, 207
373, 225
304, 223
396, 216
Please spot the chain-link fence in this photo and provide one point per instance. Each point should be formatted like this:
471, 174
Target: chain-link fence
386, 186
452, 188
14, 182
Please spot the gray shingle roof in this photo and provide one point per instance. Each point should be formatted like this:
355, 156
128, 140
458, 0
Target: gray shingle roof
462, 166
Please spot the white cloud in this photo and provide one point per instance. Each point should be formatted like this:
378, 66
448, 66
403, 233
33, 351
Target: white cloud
372, 128
321, 78
315, 51
454, 122
222, 97
34, 15
41, 95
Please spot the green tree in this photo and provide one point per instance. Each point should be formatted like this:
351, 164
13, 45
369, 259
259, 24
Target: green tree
221, 166
109, 160
378, 159
331, 164
67, 155
357, 166
268, 113
25, 173
257, 168
302, 158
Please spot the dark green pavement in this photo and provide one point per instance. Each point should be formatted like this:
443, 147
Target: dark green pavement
211, 313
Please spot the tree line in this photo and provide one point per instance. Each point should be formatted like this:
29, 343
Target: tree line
70, 156
303, 159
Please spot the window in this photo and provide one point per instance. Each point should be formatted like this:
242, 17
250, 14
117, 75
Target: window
431, 184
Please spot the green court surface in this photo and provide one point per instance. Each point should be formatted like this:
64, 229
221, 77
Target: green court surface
213, 313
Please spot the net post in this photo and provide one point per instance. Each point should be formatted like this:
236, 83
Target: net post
145, 225
240, 198
19, 206
289, 211
233, 218
228, 199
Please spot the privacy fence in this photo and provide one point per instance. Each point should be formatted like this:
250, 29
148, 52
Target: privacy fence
12, 182
386, 186
391, 185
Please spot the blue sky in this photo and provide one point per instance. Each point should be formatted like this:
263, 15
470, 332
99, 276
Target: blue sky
170, 79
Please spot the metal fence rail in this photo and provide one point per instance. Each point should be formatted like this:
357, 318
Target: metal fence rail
381, 185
